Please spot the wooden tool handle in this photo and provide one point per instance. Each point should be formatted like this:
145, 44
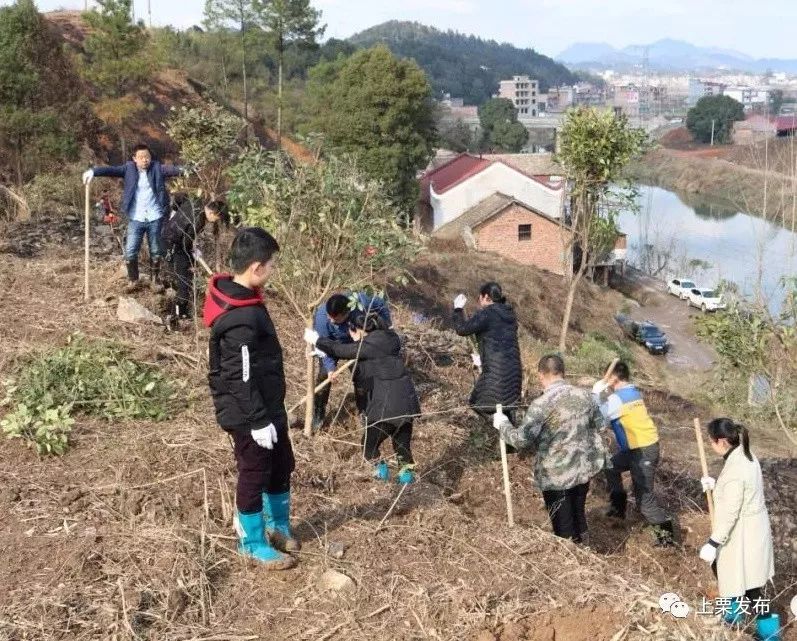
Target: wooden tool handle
704, 467
510, 515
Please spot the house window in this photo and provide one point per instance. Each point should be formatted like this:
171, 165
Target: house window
523, 232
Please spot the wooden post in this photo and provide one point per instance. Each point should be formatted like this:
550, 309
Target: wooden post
610, 369
704, 467
510, 515
310, 396
86, 241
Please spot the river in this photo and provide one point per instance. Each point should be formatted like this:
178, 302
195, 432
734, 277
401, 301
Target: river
709, 241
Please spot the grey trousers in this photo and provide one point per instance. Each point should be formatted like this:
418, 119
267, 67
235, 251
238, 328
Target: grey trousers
642, 463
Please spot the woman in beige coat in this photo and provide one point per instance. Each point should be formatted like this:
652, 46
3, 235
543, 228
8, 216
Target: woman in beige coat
740, 547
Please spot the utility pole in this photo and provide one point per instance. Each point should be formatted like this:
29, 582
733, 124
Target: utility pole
712, 131
149, 12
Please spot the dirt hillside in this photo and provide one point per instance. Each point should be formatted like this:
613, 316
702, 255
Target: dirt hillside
129, 535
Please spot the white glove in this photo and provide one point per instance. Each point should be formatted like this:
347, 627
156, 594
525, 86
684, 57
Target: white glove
708, 483
310, 336
499, 419
459, 301
317, 352
197, 253
477, 360
600, 387
87, 176
266, 437
708, 553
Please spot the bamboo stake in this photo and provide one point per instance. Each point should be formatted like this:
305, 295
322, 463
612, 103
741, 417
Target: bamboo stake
86, 240
510, 514
704, 468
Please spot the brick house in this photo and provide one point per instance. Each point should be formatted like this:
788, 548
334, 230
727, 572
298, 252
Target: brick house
509, 204
505, 226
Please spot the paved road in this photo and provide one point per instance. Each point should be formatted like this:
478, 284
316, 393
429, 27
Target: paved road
674, 317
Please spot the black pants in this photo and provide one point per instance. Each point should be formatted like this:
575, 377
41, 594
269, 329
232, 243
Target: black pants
401, 435
183, 281
322, 397
567, 511
642, 463
261, 470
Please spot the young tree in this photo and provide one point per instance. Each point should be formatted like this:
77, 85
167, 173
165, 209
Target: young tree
714, 113
287, 22
595, 147
117, 62
501, 130
240, 13
335, 227
379, 109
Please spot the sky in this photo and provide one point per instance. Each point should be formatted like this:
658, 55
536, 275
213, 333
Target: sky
762, 29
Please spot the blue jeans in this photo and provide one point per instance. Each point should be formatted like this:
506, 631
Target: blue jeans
135, 236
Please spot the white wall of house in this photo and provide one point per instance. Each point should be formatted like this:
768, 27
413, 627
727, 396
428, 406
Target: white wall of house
495, 178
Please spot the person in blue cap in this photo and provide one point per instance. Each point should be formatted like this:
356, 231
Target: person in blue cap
331, 321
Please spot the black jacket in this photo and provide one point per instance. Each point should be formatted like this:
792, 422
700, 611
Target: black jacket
501, 380
184, 224
246, 375
391, 395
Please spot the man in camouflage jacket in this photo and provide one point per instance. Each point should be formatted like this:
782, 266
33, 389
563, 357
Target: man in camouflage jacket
563, 428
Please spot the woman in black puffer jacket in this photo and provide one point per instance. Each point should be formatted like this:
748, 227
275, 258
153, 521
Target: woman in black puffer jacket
392, 402
495, 328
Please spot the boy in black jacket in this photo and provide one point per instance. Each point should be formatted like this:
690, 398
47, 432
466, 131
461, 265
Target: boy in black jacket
247, 382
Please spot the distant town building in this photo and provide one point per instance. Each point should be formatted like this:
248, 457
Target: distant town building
523, 92
559, 99
701, 88
587, 94
448, 101
750, 97
753, 128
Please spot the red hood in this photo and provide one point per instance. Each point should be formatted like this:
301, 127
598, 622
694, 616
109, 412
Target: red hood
217, 302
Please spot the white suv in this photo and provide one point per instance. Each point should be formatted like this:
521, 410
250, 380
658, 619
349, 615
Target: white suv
706, 299
680, 287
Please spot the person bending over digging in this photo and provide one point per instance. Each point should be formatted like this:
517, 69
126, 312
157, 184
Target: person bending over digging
638, 442
562, 427
391, 399
247, 382
145, 202
331, 321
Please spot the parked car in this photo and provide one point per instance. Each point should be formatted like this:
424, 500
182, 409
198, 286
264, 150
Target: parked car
654, 340
680, 287
705, 299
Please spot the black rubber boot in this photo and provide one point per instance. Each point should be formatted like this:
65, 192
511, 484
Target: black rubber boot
318, 417
132, 276
664, 535
618, 501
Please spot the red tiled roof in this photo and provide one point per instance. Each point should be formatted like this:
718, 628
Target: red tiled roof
453, 172
785, 123
463, 167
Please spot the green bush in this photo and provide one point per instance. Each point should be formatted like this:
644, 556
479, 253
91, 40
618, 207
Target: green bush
96, 378
594, 354
56, 193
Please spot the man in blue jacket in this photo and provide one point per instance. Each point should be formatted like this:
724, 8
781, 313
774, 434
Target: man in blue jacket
332, 321
145, 202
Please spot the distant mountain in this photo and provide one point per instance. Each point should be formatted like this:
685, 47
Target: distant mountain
668, 55
464, 66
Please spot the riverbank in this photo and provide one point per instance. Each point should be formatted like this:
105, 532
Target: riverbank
769, 194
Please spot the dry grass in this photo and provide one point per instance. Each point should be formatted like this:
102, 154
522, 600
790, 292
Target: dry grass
128, 536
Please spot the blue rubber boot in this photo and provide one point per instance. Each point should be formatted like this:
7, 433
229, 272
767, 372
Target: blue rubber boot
382, 471
277, 514
768, 628
734, 616
406, 475
252, 543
